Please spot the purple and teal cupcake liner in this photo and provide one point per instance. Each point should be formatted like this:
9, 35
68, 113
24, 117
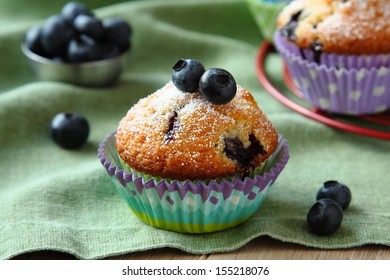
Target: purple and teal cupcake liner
330, 87
192, 206
265, 13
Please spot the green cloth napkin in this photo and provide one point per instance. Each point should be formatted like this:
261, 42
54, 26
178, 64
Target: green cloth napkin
57, 199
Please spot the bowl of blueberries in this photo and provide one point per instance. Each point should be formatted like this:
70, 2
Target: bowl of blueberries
76, 47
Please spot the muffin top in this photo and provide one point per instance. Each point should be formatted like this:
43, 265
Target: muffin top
179, 135
338, 26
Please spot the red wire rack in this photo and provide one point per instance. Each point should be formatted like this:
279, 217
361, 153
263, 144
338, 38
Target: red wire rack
375, 126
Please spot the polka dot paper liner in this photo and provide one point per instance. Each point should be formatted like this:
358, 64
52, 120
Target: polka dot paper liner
192, 206
351, 90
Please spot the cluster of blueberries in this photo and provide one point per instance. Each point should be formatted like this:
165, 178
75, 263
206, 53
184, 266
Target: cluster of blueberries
76, 35
326, 215
216, 85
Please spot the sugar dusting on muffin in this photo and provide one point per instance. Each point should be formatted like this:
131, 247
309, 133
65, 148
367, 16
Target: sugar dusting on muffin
339, 26
180, 135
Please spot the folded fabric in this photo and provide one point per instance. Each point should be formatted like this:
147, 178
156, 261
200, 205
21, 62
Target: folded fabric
57, 199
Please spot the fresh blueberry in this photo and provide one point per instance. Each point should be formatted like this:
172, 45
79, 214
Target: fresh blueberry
32, 40
186, 74
90, 26
84, 49
325, 216
118, 32
55, 35
336, 191
217, 86
72, 9
69, 130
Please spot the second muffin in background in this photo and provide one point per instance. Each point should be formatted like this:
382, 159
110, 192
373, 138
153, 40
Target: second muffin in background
337, 53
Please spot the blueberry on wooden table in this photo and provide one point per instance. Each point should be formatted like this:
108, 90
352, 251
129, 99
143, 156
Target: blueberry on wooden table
325, 216
186, 74
217, 86
336, 191
69, 130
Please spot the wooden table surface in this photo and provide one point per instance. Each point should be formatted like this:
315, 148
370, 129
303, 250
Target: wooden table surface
262, 248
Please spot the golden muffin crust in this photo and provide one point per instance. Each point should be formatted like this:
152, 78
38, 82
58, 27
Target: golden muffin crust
179, 135
338, 26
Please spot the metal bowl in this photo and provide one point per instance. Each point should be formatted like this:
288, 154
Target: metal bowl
101, 73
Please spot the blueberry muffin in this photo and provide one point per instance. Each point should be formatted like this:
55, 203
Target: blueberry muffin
197, 155
337, 53
338, 26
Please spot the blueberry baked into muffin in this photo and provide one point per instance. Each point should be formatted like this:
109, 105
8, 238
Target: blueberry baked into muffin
197, 155
338, 53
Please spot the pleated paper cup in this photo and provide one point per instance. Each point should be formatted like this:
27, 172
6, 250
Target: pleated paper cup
192, 206
338, 61
352, 91
265, 14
